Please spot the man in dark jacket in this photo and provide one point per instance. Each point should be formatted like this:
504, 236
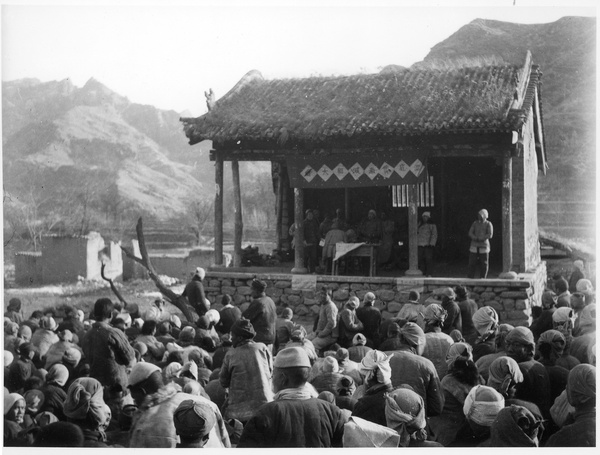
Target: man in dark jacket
194, 291
107, 349
370, 317
297, 418
262, 314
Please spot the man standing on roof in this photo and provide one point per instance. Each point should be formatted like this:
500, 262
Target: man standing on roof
481, 232
426, 240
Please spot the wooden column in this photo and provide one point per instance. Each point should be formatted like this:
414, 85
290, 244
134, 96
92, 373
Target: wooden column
218, 209
347, 204
413, 223
281, 234
507, 237
299, 233
239, 224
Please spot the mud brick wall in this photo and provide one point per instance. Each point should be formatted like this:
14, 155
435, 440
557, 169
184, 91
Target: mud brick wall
513, 299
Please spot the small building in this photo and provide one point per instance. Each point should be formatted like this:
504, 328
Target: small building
450, 141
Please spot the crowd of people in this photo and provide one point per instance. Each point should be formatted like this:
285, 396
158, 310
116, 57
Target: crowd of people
443, 372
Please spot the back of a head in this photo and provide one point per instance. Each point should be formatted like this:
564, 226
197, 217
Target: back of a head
148, 327
59, 434
287, 313
414, 296
103, 309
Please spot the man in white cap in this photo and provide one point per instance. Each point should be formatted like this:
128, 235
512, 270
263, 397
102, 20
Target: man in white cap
426, 240
153, 424
480, 233
194, 291
297, 418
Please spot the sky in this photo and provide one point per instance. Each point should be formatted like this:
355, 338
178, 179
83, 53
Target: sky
168, 54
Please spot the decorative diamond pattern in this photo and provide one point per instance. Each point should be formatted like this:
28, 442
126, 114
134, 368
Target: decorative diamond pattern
325, 172
308, 173
372, 171
340, 171
417, 167
386, 170
356, 171
402, 169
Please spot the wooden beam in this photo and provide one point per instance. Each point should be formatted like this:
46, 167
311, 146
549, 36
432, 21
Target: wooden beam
218, 210
413, 221
299, 232
507, 237
279, 230
239, 224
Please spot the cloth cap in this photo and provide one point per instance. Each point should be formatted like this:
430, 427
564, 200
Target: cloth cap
555, 339
48, 323
204, 374
369, 297
138, 322
58, 373
12, 328
203, 322
345, 386
174, 319
287, 313
482, 405
579, 264
84, 401
72, 356
10, 400
585, 286
359, 340
259, 285
414, 336
213, 316
581, 385
171, 371
562, 315
485, 320
193, 419
457, 350
34, 400
353, 303
405, 413
504, 368
379, 362
140, 347
25, 332
342, 354
326, 395
140, 372
588, 316
200, 272
549, 299
330, 365
434, 313
292, 357
298, 334
187, 334
457, 336
427, 214
484, 213
8, 358
243, 328
447, 292
190, 367
45, 418
65, 335
521, 335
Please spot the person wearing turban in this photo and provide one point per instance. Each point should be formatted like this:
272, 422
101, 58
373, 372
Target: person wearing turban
535, 387
14, 311
359, 348
486, 323
484, 362
409, 367
348, 323
544, 321
329, 376
194, 292
344, 389
437, 342
370, 316
405, 413
193, 422
480, 233
577, 274
325, 333
563, 320
262, 314
298, 339
377, 373
85, 407
585, 287
247, 370
583, 343
580, 431
481, 408
514, 426
468, 307
461, 378
550, 347
54, 392
503, 375
14, 420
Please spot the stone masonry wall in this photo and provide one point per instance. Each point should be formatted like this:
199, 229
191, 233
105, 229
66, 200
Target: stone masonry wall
512, 299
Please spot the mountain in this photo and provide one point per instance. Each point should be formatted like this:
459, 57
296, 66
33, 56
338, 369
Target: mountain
60, 142
565, 50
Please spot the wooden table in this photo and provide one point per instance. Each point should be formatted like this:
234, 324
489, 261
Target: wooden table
368, 250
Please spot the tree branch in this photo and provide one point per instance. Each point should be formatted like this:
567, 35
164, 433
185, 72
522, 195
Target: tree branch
112, 286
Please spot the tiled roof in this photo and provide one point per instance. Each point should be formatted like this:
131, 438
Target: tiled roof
409, 102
